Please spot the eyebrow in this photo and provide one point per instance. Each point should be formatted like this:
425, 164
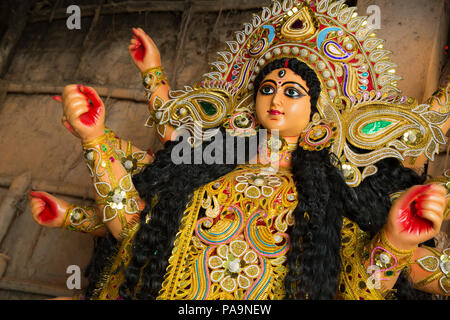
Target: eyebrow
287, 82
269, 80
292, 82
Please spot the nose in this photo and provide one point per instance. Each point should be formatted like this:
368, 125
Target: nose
277, 99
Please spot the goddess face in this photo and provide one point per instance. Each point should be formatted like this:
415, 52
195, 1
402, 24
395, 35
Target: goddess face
283, 103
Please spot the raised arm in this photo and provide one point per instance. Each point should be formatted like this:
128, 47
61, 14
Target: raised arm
147, 59
50, 211
415, 217
117, 200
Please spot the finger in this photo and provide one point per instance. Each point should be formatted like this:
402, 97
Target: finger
437, 208
140, 50
432, 198
92, 95
134, 41
410, 195
49, 210
76, 107
96, 110
437, 190
146, 37
69, 90
36, 206
70, 128
57, 98
433, 218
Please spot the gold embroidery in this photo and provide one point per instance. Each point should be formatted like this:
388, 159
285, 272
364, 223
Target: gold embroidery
230, 246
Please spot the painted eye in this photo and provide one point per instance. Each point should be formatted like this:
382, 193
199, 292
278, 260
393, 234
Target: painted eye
293, 93
267, 90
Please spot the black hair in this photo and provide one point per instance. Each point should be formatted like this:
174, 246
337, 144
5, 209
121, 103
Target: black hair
324, 199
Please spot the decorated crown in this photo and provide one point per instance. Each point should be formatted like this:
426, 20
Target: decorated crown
359, 85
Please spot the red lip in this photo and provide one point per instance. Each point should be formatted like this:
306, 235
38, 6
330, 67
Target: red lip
274, 112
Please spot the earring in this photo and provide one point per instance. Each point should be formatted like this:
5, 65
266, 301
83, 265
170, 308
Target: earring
242, 124
318, 137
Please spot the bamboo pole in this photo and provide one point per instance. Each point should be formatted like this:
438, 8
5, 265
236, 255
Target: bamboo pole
34, 288
136, 95
16, 24
54, 187
8, 208
155, 6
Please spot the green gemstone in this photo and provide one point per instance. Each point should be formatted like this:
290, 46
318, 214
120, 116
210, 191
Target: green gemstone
376, 126
209, 108
389, 273
104, 148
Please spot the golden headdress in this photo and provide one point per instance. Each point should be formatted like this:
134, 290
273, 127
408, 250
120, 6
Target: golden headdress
359, 85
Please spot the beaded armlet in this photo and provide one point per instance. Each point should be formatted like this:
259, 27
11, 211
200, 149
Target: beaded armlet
438, 263
152, 79
384, 260
82, 218
117, 195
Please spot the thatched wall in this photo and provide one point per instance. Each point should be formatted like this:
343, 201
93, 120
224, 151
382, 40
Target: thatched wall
39, 56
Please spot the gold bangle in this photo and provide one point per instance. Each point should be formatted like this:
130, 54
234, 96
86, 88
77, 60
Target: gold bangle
66, 216
152, 78
99, 140
394, 250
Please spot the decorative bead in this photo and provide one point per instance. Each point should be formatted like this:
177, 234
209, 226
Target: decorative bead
261, 62
364, 67
90, 155
128, 164
158, 115
411, 137
290, 197
347, 171
234, 266
312, 58
303, 52
268, 56
326, 74
277, 51
207, 223
286, 50
295, 50
182, 111
330, 83
384, 258
258, 181
321, 65
332, 93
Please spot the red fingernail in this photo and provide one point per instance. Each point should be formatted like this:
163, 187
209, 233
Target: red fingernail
57, 98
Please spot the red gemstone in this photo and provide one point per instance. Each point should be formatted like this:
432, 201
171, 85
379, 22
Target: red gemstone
298, 24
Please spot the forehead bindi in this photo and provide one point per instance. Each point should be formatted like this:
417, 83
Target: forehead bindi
280, 76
